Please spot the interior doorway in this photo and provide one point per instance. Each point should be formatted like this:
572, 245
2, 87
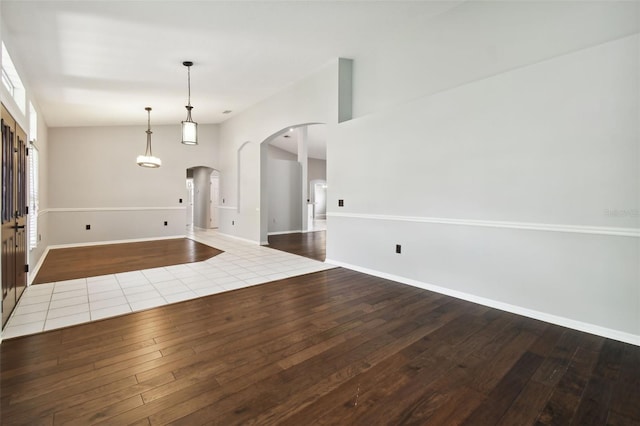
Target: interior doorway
293, 160
320, 200
214, 197
203, 193
189, 203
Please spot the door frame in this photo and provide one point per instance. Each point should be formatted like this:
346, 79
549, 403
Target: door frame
14, 240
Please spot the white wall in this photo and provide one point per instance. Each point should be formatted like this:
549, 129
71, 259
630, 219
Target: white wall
317, 170
42, 143
276, 153
519, 188
201, 196
95, 180
479, 39
311, 100
35, 255
498, 143
317, 173
285, 191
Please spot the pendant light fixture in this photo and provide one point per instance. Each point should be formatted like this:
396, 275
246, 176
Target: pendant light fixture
189, 127
148, 160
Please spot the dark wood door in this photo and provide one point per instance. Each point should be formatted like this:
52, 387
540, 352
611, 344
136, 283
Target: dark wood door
14, 214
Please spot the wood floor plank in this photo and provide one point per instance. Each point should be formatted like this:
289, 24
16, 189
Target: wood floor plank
91, 407
101, 413
527, 405
596, 399
627, 389
335, 347
303, 380
90, 261
307, 244
501, 397
565, 399
346, 396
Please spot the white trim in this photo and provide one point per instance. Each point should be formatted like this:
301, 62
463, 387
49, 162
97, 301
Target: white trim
32, 273
108, 209
239, 238
228, 207
36, 269
601, 230
285, 232
42, 212
101, 243
519, 310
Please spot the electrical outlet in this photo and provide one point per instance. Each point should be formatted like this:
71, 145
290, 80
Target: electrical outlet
398, 248
166, 223
340, 203
233, 222
180, 200
87, 227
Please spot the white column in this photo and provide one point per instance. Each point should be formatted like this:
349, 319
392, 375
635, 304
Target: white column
303, 160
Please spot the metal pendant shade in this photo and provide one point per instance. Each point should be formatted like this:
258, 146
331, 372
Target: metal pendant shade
148, 160
189, 127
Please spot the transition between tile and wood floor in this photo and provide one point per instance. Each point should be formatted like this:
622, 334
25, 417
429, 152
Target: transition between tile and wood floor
53, 305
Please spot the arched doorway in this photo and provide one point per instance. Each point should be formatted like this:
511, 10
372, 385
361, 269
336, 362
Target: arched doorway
293, 160
203, 189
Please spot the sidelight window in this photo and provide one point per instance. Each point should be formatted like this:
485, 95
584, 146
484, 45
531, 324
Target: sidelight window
33, 197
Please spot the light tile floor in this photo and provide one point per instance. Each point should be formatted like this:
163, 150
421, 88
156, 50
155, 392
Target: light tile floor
318, 225
49, 306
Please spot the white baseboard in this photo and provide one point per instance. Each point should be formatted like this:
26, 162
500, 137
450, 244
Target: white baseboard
34, 272
246, 240
285, 232
36, 268
519, 310
102, 243
110, 209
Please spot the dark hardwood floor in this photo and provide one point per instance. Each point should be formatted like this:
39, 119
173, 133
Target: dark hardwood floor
307, 244
333, 347
91, 261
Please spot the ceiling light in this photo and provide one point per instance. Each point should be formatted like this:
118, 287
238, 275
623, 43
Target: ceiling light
189, 127
148, 160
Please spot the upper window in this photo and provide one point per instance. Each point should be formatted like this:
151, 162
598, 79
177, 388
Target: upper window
11, 80
33, 123
6, 81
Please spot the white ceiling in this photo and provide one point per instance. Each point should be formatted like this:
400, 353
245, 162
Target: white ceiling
91, 63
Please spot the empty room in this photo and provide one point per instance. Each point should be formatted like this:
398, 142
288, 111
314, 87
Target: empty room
320, 212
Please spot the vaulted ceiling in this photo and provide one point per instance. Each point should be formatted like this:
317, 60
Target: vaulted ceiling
89, 63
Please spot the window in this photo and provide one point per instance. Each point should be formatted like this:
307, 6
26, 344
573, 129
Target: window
11, 80
7, 82
33, 196
33, 178
33, 123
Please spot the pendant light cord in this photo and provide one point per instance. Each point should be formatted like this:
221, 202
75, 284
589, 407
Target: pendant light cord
149, 153
189, 84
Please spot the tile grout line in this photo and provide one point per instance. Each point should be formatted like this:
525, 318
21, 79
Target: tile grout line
281, 264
